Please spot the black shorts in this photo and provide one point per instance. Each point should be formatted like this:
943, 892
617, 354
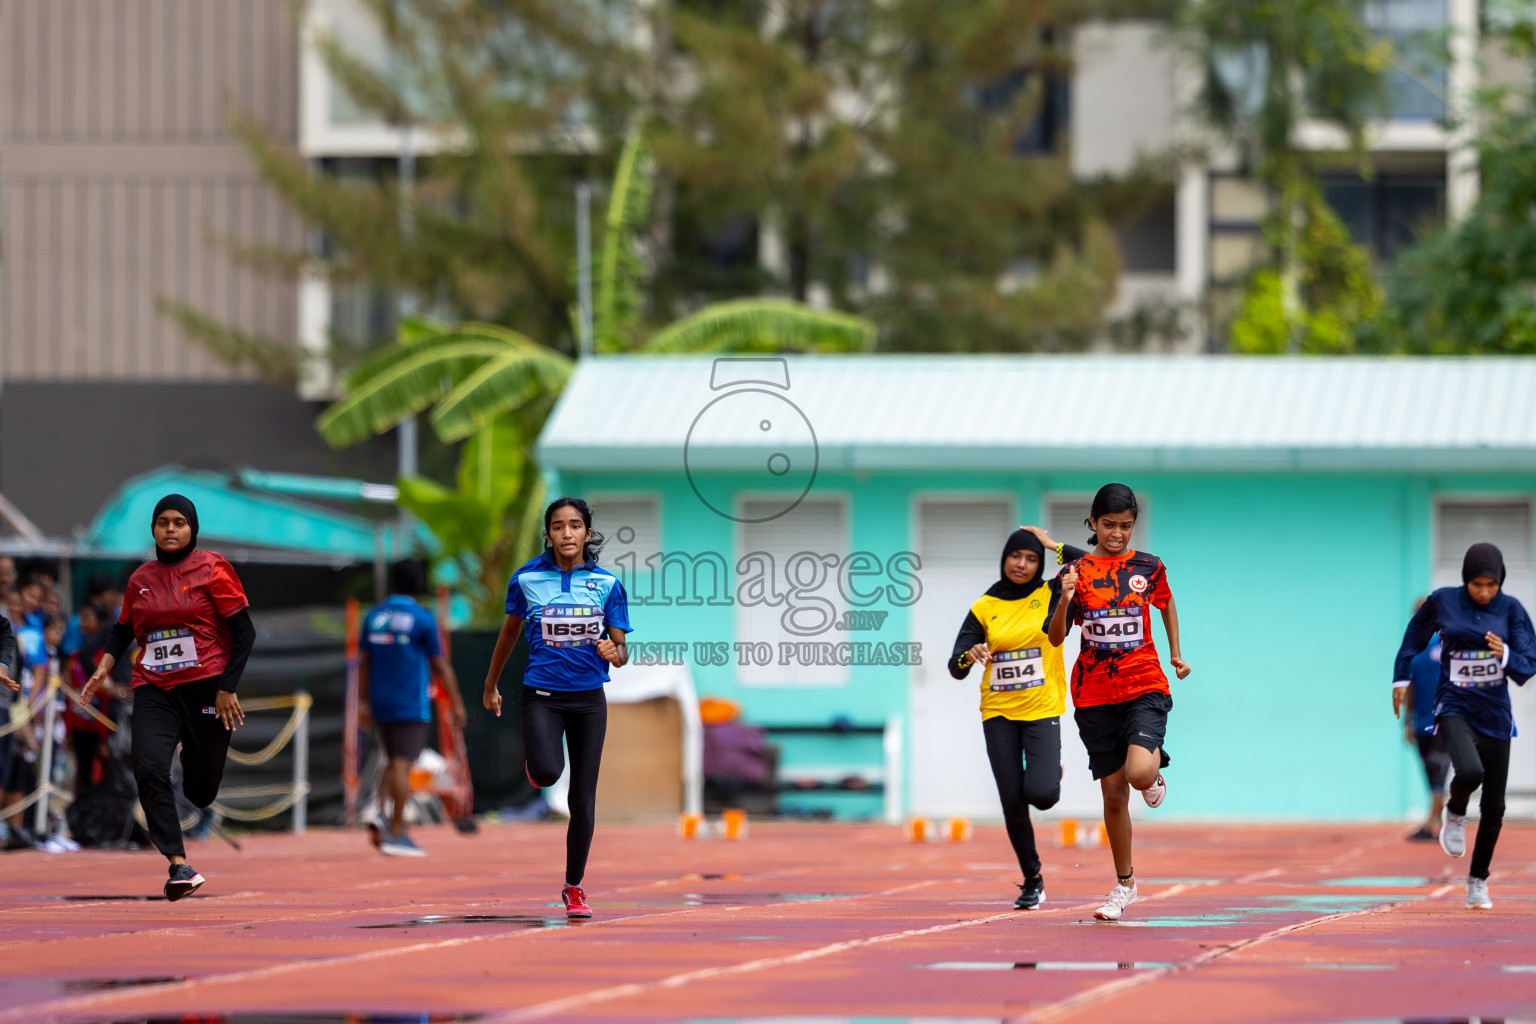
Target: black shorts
1108, 730
404, 739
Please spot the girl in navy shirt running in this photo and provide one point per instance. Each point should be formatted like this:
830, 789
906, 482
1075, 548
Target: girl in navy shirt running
575, 615
1486, 640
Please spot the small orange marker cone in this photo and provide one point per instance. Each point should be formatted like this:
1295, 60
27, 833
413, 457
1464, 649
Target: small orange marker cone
1066, 832
733, 823
918, 829
691, 826
958, 830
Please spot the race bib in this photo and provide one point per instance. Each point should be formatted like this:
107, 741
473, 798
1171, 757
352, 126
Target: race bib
570, 625
1475, 669
1022, 669
169, 650
1113, 629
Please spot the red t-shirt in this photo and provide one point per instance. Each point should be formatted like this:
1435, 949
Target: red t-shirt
1113, 603
177, 615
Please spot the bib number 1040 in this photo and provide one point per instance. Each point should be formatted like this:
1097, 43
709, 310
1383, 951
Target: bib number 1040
1114, 629
571, 625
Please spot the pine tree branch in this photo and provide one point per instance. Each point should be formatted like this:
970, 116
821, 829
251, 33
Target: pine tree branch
274, 362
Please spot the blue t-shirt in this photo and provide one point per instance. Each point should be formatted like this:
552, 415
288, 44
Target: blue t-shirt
1424, 673
1473, 683
565, 614
401, 638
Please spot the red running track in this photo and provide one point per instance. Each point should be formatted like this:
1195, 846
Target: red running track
1236, 924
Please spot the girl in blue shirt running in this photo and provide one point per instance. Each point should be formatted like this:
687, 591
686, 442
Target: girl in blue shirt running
1486, 640
575, 616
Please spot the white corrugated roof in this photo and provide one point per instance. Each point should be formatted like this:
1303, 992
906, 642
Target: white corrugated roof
1088, 412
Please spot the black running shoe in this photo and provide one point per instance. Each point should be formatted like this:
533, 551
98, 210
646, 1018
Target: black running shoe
1031, 893
183, 882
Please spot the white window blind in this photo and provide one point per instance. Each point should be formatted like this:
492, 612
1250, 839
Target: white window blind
631, 527
1505, 522
818, 526
959, 533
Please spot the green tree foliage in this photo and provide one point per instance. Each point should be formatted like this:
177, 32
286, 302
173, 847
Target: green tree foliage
1471, 287
1336, 289
504, 96
484, 384
494, 388
896, 147
1267, 66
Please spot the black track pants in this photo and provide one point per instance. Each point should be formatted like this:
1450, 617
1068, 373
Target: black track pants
581, 717
183, 714
1026, 762
1479, 760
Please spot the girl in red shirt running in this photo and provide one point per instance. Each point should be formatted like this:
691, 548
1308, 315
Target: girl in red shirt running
1118, 687
188, 613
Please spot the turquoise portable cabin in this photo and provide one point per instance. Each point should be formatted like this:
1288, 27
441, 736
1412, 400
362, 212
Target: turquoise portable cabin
807, 534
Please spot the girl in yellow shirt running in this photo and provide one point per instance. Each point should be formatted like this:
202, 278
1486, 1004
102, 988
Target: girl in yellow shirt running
1023, 690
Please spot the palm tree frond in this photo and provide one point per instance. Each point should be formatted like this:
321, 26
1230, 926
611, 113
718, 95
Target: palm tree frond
501, 385
401, 382
491, 463
764, 325
629, 206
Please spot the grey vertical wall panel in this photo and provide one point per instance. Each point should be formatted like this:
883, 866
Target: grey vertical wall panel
99, 218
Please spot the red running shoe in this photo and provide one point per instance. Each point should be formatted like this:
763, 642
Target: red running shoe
575, 902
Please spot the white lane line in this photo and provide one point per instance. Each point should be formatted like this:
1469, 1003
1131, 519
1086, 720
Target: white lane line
1071, 1004
30, 1014
558, 1006
35, 1012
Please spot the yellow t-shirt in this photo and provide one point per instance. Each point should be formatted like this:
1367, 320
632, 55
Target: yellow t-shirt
1027, 679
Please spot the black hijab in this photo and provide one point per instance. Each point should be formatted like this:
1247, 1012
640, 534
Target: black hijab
1482, 560
1007, 590
183, 505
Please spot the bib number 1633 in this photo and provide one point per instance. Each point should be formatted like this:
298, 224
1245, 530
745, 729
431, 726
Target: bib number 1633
570, 625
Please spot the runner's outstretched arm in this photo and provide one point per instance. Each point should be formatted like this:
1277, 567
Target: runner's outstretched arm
1171, 624
614, 649
1061, 619
504, 644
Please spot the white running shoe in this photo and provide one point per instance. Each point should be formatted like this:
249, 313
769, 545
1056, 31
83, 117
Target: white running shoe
1154, 793
400, 846
1453, 833
1477, 894
1119, 898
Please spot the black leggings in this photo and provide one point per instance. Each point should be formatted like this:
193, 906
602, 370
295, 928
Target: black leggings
1026, 762
161, 719
1479, 760
580, 716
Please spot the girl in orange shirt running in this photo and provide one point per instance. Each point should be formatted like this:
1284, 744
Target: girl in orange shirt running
1118, 688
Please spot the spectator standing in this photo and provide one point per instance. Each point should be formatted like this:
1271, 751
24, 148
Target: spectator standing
400, 651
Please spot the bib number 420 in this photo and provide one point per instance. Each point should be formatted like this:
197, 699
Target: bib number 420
1475, 669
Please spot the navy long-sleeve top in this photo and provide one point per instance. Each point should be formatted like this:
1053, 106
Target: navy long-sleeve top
1473, 683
